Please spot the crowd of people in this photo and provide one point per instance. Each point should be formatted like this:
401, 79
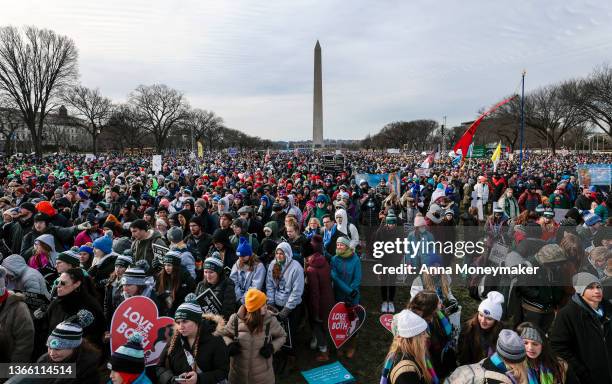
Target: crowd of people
279, 239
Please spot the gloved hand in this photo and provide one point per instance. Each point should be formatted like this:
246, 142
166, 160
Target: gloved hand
84, 226
284, 313
233, 348
353, 294
266, 351
39, 313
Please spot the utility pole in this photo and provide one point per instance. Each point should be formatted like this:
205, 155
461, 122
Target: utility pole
443, 133
520, 170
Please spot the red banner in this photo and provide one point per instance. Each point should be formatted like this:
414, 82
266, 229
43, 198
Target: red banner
139, 314
344, 321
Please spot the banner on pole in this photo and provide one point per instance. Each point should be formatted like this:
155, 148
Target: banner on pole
594, 174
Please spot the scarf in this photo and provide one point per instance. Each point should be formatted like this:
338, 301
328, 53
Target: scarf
432, 372
347, 253
500, 365
129, 378
546, 376
391, 361
445, 323
327, 236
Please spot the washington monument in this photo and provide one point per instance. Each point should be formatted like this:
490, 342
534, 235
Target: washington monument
317, 115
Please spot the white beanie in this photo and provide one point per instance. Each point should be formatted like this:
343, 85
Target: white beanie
408, 324
492, 305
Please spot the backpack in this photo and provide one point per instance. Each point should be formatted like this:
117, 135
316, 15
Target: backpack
402, 367
475, 374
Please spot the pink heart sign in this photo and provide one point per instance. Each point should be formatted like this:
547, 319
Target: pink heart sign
139, 314
344, 321
386, 321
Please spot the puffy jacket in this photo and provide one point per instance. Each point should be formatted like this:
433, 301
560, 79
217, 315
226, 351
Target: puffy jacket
224, 290
143, 249
584, 340
212, 357
25, 279
346, 275
249, 367
187, 260
244, 279
16, 329
287, 292
86, 360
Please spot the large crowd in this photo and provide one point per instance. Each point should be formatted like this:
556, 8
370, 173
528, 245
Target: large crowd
280, 239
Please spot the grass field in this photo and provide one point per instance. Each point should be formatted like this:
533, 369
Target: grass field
373, 340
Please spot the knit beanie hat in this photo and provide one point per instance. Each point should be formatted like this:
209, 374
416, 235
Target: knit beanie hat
3, 273
391, 218
134, 276
172, 258
550, 253
582, 280
254, 299
121, 244
244, 248
69, 257
129, 357
201, 203
69, 333
189, 310
409, 324
529, 333
175, 234
104, 243
344, 241
214, 263
86, 248
592, 219
510, 346
492, 305
123, 261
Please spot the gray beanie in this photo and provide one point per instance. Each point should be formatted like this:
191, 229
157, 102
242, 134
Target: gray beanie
582, 280
175, 234
531, 334
510, 346
121, 244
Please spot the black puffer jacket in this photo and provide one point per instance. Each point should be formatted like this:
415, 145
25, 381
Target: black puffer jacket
212, 357
86, 359
584, 340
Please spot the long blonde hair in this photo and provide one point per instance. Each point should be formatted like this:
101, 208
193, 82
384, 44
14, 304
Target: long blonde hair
519, 371
430, 285
416, 348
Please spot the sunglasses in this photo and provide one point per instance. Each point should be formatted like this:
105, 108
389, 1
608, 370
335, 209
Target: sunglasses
64, 283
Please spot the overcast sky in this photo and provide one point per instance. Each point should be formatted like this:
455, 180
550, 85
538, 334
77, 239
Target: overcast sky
252, 61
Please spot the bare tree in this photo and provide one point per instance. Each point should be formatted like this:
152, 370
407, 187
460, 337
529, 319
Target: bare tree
159, 109
34, 65
91, 106
10, 120
551, 113
123, 127
203, 124
594, 98
57, 135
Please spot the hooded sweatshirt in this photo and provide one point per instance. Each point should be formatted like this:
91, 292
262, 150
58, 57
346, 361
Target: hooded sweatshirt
287, 291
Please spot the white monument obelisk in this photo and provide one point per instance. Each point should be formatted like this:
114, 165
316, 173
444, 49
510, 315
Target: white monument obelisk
317, 115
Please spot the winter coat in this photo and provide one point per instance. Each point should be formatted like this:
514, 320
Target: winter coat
25, 279
287, 292
319, 291
112, 298
346, 275
143, 249
584, 340
244, 279
62, 238
212, 357
249, 367
69, 305
142, 379
406, 371
199, 246
224, 290
298, 248
186, 286
187, 260
85, 237
86, 360
16, 329
101, 272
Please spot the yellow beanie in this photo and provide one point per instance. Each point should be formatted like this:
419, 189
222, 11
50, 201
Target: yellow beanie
254, 299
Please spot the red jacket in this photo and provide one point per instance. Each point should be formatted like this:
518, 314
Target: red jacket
319, 292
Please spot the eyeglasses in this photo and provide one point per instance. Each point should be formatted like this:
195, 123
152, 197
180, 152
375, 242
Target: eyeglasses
64, 283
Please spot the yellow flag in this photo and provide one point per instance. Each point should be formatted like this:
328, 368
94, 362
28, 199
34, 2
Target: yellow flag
200, 150
496, 155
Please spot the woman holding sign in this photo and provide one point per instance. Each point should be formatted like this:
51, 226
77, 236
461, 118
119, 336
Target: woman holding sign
197, 353
221, 286
253, 334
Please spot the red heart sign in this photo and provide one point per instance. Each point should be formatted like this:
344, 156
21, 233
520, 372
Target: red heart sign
139, 314
386, 321
344, 321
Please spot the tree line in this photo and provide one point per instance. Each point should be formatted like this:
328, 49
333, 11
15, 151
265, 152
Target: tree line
565, 114
39, 72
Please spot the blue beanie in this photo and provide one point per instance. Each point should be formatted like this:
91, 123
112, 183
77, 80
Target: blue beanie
592, 219
244, 248
104, 243
86, 248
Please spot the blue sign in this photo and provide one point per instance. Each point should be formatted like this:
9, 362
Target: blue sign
329, 374
232, 151
594, 174
392, 180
